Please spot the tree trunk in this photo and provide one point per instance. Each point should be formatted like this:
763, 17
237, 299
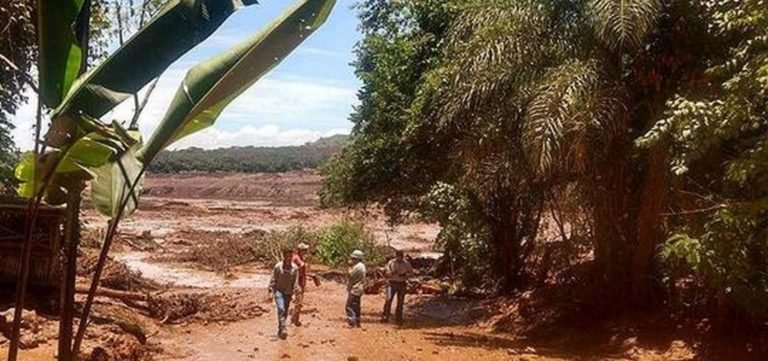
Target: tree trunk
504, 223
505, 240
613, 231
652, 202
72, 240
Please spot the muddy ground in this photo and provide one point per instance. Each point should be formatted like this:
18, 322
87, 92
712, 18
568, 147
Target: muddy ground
200, 311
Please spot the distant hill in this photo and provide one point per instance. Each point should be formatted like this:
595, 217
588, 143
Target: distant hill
249, 159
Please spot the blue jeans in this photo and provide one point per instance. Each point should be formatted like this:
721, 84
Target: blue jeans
283, 302
395, 289
353, 310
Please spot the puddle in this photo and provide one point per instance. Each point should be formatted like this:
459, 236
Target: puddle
188, 277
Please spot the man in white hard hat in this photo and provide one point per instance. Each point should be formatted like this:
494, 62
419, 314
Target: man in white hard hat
355, 288
298, 297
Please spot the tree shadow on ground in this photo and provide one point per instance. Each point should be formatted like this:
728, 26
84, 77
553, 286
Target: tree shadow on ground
558, 323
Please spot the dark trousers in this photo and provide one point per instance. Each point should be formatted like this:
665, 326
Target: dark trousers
283, 302
395, 289
353, 309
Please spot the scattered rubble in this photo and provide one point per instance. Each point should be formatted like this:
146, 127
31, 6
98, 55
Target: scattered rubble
35, 329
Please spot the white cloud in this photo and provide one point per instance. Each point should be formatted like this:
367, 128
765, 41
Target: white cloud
275, 111
265, 136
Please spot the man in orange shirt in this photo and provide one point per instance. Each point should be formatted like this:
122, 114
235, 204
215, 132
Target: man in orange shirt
300, 262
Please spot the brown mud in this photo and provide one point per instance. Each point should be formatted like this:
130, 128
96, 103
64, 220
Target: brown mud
201, 312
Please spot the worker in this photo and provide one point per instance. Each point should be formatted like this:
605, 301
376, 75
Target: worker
397, 271
282, 286
355, 288
298, 298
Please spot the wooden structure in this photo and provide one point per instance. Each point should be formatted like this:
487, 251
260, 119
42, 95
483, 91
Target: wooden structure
46, 258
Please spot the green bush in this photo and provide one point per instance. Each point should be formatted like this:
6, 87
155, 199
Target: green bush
337, 241
274, 243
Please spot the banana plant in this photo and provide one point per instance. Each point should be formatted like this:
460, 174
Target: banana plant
80, 147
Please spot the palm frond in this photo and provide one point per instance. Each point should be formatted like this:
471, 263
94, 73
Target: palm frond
623, 24
576, 107
494, 51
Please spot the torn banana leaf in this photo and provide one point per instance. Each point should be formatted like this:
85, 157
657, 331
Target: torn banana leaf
118, 183
67, 170
177, 28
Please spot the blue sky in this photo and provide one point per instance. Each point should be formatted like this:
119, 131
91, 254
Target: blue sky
309, 95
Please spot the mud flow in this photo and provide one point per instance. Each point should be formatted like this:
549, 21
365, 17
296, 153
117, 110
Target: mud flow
182, 285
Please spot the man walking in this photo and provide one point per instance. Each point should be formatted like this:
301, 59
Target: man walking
298, 298
355, 288
282, 285
398, 270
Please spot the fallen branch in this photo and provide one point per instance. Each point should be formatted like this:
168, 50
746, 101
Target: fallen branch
107, 292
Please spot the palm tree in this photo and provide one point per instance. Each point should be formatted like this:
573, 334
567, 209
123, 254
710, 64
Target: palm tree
570, 85
585, 117
472, 106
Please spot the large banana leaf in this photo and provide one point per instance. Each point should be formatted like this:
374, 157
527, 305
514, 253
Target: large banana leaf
210, 86
113, 185
178, 27
68, 168
63, 174
61, 36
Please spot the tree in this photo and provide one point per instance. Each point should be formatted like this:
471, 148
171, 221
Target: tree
513, 101
413, 141
248, 159
586, 116
17, 55
716, 134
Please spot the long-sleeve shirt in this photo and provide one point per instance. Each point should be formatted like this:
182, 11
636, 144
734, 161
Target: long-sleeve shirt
356, 282
283, 278
302, 265
398, 271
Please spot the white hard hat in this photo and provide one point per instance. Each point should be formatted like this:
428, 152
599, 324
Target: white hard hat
357, 254
303, 246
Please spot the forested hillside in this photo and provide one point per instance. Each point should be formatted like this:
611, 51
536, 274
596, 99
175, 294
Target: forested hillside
248, 159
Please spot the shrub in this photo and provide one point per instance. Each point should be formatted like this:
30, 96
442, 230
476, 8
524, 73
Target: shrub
337, 241
273, 244
463, 235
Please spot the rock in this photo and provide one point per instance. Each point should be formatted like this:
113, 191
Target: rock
29, 320
99, 354
285, 355
353, 358
530, 349
511, 352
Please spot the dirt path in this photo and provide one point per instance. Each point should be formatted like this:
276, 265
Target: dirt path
325, 336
